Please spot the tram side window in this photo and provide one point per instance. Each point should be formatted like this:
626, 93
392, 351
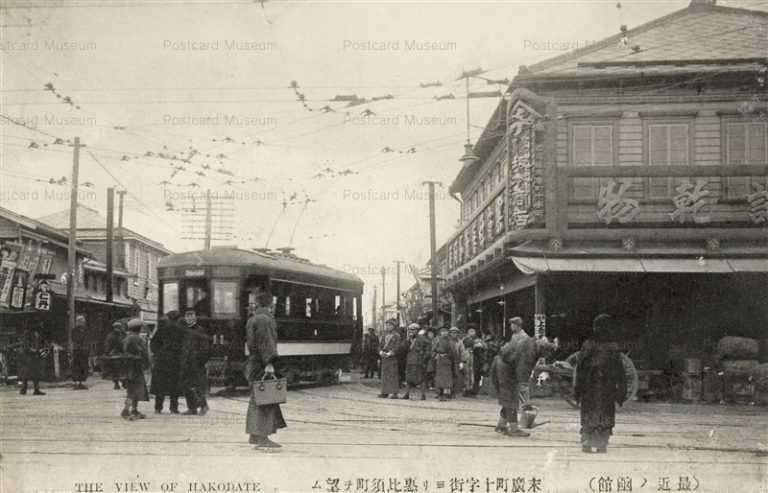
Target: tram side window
354, 308
170, 296
308, 307
288, 306
225, 298
197, 298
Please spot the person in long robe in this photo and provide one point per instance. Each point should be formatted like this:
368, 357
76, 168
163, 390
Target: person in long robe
30, 360
419, 352
370, 353
113, 346
135, 347
196, 351
460, 367
599, 386
261, 338
167, 344
80, 353
402, 355
390, 371
445, 360
511, 373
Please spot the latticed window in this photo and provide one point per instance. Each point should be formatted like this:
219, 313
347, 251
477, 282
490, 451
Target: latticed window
746, 143
668, 145
592, 145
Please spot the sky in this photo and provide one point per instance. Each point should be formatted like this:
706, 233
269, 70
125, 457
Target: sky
211, 82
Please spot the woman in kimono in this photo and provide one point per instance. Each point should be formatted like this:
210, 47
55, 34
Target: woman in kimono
390, 373
135, 385
445, 363
600, 384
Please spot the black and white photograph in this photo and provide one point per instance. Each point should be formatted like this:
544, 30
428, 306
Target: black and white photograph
383, 246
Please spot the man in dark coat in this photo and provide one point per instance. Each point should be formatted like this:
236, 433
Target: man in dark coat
261, 339
370, 353
419, 352
135, 348
600, 385
80, 353
196, 350
167, 345
113, 345
445, 361
511, 373
30, 360
390, 373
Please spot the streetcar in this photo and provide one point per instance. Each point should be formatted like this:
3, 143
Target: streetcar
317, 308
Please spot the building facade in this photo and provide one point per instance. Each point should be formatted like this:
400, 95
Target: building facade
627, 177
137, 255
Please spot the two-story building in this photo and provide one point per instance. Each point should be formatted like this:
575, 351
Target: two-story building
627, 177
134, 253
33, 259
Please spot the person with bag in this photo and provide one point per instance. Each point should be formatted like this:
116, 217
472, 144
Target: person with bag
261, 339
135, 347
599, 386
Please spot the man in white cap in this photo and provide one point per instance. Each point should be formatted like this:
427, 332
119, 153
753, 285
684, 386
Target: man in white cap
135, 385
419, 352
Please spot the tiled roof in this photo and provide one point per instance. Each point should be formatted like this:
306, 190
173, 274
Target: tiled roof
697, 39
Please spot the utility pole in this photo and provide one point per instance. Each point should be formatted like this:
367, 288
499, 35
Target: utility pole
398, 262
72, 251
433, 249
383, 294
373, 308
120, 245
110, 241
208, 225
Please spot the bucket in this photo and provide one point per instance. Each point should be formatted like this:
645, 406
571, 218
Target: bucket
528, 416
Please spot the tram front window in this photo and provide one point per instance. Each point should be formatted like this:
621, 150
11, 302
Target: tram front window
198, 299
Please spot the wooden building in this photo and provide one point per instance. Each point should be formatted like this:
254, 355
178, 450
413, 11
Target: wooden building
627, 177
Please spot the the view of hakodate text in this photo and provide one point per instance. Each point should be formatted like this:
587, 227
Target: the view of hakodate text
285, 246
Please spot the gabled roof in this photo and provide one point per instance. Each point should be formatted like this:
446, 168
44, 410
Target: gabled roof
700, 38
91, 225
42, 229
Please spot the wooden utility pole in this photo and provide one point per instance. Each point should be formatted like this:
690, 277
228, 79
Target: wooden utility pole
433, 249
373, 307
72, 251
120, 245
398, 262
208, 220
110, 241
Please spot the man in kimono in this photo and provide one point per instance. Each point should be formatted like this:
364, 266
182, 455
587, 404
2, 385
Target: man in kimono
390, 373
261, 338
445, 362
461, 361
195, 354
30, 360
600, 385
370, 353
80, 353
135, 385
511, 373
419, 352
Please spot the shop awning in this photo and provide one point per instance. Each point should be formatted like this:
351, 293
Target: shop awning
532, 265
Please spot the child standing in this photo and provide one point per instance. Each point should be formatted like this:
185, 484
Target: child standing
136, 348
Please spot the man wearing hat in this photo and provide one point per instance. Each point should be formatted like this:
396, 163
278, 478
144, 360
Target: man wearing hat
196, 351
370, 353
80, 353
113, 345
445, 360
511, 372
167, 343
135, 385
419, 352
390, 374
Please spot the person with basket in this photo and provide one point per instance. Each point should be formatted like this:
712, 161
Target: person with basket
262, 420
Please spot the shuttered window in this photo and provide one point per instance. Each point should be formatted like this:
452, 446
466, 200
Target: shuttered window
746, 143
592, 145
668, 145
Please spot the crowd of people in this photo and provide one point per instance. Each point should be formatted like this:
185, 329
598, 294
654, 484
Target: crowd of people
454, 364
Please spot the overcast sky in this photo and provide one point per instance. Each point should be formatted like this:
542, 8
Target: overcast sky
172, 77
